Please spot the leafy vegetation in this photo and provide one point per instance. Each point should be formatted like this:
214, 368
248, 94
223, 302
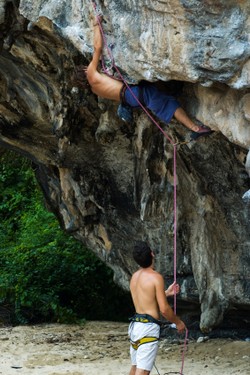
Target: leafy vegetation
46, 275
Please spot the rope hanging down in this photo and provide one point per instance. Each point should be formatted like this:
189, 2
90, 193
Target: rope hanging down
174, 161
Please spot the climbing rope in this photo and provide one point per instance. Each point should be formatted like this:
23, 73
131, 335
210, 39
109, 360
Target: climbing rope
175, 223
121, 78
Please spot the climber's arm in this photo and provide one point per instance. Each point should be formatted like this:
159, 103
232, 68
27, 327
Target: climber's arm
97, 45
101, 84
91, 71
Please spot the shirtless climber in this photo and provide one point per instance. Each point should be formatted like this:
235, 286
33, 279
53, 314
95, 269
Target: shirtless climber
161, 104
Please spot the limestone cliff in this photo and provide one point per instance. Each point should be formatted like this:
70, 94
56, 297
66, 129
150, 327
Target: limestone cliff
111, 184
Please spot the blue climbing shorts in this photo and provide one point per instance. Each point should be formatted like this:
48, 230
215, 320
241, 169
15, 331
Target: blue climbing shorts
161, 104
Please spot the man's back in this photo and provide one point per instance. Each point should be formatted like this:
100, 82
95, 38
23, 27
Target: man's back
143, 287
102, 85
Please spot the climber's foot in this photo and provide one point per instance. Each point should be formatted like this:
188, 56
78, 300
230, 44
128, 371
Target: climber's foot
203, 131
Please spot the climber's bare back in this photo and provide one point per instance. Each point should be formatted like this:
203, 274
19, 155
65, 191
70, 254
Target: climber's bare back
103, 85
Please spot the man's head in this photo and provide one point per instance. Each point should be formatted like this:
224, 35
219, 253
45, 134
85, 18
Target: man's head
142, 254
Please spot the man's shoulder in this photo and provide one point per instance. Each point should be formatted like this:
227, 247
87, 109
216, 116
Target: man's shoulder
158, 278
149, 271
155, 275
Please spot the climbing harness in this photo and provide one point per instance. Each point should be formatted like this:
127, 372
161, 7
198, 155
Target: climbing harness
121, 78
144, 340
145, 318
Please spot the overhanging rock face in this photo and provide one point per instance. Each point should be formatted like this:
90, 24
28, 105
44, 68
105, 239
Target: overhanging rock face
111, 184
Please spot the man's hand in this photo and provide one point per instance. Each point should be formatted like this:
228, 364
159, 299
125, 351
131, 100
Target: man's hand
180, 327
172, 289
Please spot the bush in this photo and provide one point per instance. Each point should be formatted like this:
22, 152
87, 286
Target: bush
46, 275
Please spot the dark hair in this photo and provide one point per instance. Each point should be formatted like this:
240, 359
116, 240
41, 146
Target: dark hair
142, 254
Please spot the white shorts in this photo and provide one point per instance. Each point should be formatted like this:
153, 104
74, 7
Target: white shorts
144, 356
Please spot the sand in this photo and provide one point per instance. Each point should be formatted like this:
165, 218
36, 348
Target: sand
103, 348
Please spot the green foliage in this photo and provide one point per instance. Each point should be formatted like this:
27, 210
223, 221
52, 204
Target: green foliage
46, 275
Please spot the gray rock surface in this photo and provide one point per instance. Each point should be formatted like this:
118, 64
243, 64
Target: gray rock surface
109, 184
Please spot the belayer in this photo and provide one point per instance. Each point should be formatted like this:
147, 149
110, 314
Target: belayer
149, 299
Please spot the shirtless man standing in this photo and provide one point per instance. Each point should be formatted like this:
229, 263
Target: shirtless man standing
162, 105
149, 298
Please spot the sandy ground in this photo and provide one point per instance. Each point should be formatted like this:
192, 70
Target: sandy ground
103, 347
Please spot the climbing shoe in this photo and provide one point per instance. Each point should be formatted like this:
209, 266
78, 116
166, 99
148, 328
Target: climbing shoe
203, 131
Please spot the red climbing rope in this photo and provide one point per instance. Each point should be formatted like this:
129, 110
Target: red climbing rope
174, 162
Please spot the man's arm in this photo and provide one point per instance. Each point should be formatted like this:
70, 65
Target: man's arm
97, 45
101, 84
91, 71
165, 308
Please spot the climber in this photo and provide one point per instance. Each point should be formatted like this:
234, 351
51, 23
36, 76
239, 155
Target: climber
149, 298
161, 104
